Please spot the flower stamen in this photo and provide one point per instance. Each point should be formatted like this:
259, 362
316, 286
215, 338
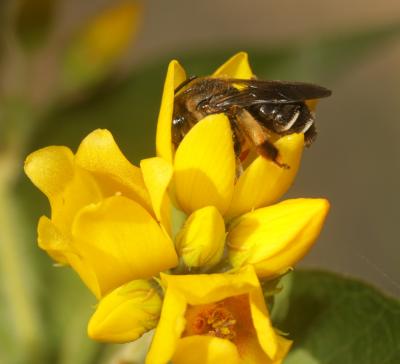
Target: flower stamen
212, 320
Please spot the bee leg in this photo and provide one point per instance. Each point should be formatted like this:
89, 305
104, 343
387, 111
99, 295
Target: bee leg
237, 146
269, 151
238, 141
258, 137
239, 168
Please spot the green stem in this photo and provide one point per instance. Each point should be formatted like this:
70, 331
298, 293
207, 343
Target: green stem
17, 277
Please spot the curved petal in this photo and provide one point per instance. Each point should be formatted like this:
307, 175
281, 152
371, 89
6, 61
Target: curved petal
199, 349
169, 330
264, 182
51, 240
120, 241
201, 241
81, 191
67, 187
50, 169
175, 76
59, 247
87, 268
126, 313
274, 238
157, 174
266, 335
205, 165
235, 67
100, 154
201, 289
283, 349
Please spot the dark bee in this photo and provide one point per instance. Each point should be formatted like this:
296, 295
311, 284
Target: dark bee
259, 111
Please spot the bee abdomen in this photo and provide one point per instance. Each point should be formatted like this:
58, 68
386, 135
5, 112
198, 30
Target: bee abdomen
284, 118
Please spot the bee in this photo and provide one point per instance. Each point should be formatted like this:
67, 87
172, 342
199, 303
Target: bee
260, 112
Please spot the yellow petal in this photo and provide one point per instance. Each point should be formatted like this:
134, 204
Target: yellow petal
99, 154
175, 76
274, 238
157, 174
235, 67
52, 240
205, 165
86, 269
126, 313
201, 240
264, 182
67, 187
205, 350
284, 346
201, 289
120, 241
50, 169
169, 330
60, 248
267, 338
252, 353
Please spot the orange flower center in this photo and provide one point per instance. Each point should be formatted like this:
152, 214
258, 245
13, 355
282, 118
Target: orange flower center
216, 321
227, 319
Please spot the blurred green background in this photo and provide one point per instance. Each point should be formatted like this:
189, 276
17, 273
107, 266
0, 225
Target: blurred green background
68, 67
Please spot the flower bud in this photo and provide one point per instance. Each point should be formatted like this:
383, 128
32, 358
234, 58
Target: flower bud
96, 47
126, 313
201, 240
274, 238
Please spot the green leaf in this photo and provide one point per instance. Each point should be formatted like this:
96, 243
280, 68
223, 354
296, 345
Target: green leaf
333, 320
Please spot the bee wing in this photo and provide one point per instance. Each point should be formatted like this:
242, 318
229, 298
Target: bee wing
270, 92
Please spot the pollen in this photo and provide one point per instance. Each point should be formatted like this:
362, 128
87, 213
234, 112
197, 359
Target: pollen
221, 323
213, 320
227, 319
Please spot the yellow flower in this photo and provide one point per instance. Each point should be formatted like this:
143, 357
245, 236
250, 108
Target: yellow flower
209, 319
101, 221
100, 43
126, 313
201, 174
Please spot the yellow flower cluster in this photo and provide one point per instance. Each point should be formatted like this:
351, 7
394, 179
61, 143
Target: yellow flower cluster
185, 211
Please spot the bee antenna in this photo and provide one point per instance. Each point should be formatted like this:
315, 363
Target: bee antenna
184, 83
